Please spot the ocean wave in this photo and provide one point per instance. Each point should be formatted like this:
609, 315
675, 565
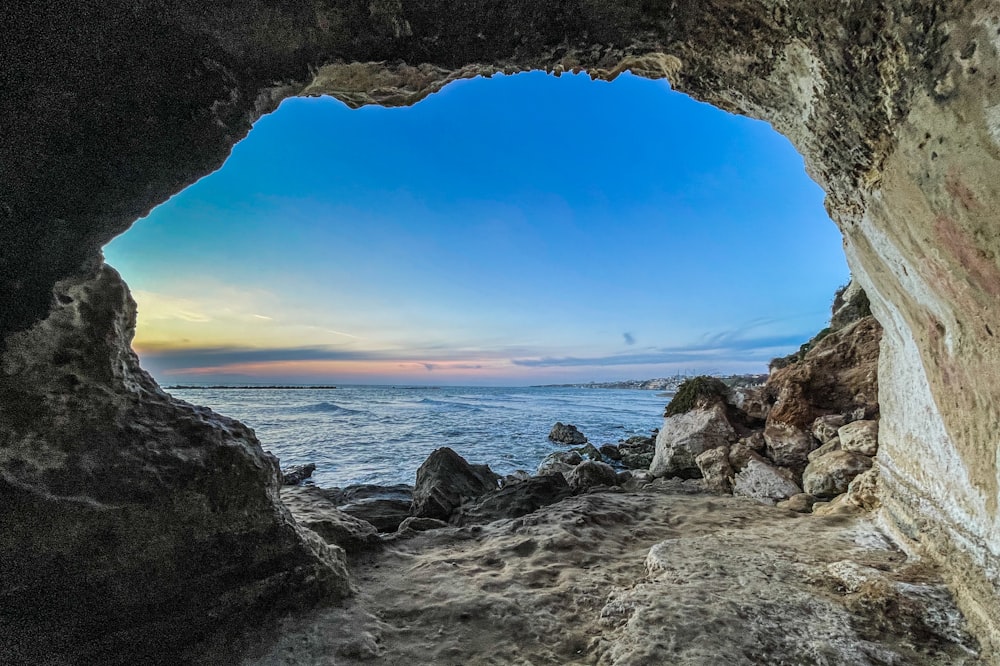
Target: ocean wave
447, 404
326, 408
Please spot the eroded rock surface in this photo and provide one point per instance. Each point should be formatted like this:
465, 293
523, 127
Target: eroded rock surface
136, 528
662, 576
112, 107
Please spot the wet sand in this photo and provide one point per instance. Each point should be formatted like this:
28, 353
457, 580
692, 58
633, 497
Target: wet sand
665, 575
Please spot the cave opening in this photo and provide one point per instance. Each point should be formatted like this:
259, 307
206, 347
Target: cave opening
515, 231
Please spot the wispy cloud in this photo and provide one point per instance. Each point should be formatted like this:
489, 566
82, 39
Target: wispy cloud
722, 346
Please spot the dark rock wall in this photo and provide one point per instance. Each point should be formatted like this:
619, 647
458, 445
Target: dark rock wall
120, 495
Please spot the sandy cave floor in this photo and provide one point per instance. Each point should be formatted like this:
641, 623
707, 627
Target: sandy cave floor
666, 575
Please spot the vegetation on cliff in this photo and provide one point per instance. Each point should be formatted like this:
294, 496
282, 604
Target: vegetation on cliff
695, 391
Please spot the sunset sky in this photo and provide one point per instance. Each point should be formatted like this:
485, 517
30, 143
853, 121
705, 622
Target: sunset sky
518, 230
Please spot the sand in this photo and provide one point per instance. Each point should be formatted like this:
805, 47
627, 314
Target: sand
666, 575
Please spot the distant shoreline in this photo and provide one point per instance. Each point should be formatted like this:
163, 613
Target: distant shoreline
230, 386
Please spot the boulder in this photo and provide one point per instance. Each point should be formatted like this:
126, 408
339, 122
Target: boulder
801, 503
559, 462
863, 491
744, 450
828, 476
591, 473
831, 446
445, 480
752, 401
825, 427
384, 513
517, 477
684, 436
590, 451
367, 491
293, 476
787, 445
716, 470
566, 434
611, 452
624, 477
839, 505
514, 501
315, 512
859, 437
637, 452
764, 482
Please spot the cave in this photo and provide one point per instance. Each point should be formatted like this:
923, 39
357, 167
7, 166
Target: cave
140, 528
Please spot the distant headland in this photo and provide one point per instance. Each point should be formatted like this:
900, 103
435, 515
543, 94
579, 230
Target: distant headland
663, 383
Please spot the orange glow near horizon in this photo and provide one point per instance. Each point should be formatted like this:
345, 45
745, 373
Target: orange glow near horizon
373, 369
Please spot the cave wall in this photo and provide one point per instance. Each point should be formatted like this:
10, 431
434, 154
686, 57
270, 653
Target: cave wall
111, 106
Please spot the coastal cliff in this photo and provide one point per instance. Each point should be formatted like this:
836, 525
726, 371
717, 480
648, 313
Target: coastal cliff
119, 494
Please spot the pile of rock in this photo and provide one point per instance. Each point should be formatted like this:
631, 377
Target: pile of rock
806, 439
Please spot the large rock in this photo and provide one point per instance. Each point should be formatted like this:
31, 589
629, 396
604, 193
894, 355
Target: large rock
864, 491
135, 527
831, 446
444, 481
566, 434
824, 428
591, 473
787, 445
559, 462
684, 436
716, 470
314, 511
764, 482
295, 475
515, 500
859, 437
828, 476
637, 452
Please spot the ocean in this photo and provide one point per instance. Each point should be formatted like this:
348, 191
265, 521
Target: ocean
381, 434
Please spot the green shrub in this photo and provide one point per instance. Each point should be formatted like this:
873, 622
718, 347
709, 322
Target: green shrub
695, 390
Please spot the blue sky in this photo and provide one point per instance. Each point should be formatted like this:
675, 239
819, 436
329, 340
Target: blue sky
517, 230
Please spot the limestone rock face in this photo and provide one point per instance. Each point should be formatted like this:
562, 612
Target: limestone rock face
838, 375
444, 481
828, 476
684, 436
113, 107
137, 498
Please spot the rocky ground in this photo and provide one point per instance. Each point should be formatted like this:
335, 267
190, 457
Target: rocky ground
667, 574
742, 533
